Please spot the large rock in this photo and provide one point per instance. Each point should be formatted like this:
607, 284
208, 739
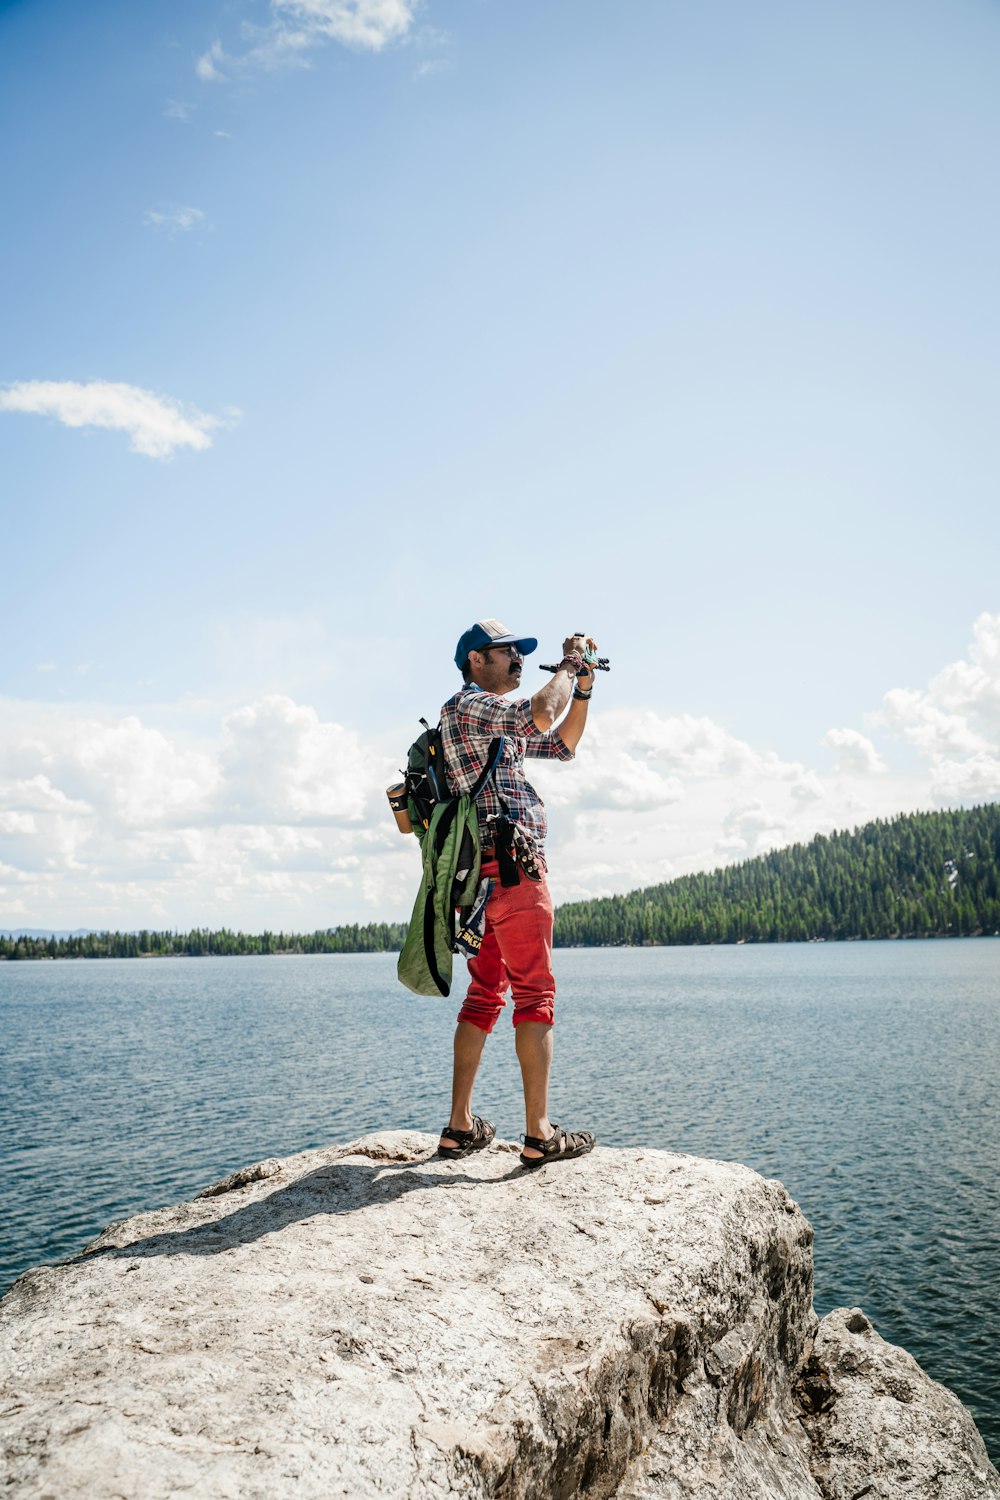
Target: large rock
369, 1320
881, 1428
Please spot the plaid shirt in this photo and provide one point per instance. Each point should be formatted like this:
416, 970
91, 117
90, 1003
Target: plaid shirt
470, 721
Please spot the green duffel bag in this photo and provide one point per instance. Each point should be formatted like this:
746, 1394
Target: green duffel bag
448, 884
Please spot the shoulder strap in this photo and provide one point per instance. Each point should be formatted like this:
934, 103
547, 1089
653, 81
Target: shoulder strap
492, 761
434, 768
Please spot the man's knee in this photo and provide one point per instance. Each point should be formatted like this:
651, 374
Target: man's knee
541, 1011
483, 1015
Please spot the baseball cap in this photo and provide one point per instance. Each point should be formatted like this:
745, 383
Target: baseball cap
487, 633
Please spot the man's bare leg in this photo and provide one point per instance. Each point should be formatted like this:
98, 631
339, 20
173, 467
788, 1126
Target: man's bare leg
469, 1044
533, 1040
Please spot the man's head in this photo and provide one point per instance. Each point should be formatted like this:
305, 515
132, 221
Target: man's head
489, 655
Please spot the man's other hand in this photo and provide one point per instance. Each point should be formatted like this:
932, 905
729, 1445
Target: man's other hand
583, 644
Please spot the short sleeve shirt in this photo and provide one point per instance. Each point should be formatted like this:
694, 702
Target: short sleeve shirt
470, 722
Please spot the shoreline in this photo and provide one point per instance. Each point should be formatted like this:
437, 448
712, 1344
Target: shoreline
898, 937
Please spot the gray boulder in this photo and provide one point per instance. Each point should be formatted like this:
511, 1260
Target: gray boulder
878, 1426
369, 1320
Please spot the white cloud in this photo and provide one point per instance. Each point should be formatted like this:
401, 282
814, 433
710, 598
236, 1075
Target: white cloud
136, 774
156, 425
368, 25
699, 747
975, 779
40, 795
753, 826
972, 687
176, 109
434, 67
856, 755
806, 787
299, 25
608, 773
206, 67
954, 723
178, 219
274, 47
276, 817
16, 822
45, 666
932, 730
280, 763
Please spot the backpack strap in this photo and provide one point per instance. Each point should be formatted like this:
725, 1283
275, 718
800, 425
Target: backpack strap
434, 769
492, 761
509, 873
505, 825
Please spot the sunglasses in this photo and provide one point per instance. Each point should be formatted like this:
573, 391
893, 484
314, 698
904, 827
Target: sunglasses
511, 651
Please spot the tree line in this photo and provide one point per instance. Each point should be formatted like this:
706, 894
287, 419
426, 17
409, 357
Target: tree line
375, 937
917, 875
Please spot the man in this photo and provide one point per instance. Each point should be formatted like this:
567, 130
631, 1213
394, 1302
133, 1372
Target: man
517, 942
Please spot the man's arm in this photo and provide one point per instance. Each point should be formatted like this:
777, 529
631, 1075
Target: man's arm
572, 727
550, 700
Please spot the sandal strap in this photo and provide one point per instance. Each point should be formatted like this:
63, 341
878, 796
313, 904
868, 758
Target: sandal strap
480, 1128
560, 1142
573, 1140
552, 1147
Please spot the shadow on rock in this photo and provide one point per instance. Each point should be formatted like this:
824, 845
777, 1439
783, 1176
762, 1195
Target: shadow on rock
340, 1187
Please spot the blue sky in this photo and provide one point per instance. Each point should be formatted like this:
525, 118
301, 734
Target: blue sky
676, 323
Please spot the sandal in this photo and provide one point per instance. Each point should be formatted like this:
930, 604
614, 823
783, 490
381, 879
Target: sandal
466, 1141
560, 1146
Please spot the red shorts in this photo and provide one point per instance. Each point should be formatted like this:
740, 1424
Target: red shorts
516, 954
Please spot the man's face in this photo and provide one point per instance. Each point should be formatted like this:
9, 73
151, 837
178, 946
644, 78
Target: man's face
499, 668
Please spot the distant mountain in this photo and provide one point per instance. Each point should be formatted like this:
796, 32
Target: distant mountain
44, 932
918, 875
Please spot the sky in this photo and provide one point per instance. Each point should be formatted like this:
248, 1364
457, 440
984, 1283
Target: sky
331, 326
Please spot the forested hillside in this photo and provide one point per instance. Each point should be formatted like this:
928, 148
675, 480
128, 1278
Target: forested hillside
918, 875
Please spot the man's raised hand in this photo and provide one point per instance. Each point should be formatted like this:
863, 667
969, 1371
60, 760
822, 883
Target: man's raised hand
581, 643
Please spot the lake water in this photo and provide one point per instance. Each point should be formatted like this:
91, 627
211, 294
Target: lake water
863, 1075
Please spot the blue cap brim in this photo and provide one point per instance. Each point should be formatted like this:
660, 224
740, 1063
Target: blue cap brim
477, 640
